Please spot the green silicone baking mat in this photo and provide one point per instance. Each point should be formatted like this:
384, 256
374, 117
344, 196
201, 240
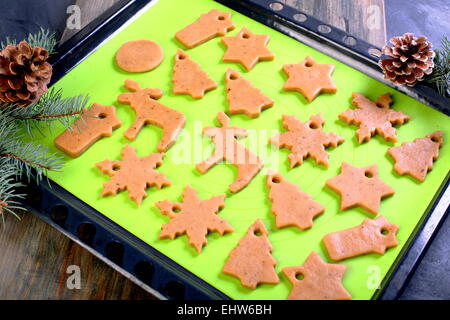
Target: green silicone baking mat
99, 77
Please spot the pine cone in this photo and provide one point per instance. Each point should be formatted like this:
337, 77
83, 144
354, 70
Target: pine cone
411, 59
24, 74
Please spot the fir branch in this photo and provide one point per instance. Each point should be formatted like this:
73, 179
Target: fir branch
440, 77
8, 189
52, 106
9, 41
26, 157
18, 157
43, 38
32, 160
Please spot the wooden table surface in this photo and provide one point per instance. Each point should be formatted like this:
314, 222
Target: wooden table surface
36, 262
35, 257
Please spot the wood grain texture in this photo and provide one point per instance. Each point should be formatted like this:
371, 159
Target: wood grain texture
89, 9
34, 259
364, 19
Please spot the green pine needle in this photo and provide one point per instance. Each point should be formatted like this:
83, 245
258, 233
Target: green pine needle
52, 107
439, 79
28, 158
43, 38
8, 188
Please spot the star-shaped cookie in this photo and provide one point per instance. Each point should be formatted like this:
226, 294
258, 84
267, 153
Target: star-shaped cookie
133, 173
317, 280
193, 217
306, 140
247, 48
309, 78
373, 117
360, 187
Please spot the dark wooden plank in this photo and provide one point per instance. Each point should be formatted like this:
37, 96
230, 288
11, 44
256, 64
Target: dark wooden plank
34, 260
364, 19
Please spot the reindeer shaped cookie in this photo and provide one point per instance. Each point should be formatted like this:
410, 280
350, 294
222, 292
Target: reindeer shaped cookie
230, 150
149, 111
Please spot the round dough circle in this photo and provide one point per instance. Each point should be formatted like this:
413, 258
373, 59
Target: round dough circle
139, 56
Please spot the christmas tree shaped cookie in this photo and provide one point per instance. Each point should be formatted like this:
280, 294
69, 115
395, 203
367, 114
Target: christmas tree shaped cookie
374, 117
317, 280
193, 217
189, 78
416, 158
133, 174
243, 97
229, 149
251, 261
291, 206
247, 48
150, 111
309, 78
306, 140
360, 187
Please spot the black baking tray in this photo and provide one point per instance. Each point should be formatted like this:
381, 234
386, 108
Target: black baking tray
143, 264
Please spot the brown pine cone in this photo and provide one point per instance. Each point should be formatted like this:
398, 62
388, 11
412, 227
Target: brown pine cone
24, 74
411, 59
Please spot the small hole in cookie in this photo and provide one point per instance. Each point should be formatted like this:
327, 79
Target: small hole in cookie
384, 232
313, 126
299, 276
368, 174
181, 57
233, 77
176, 209
102, 115
308, 64
221, 18
434, 139
116, 168
245, 36
257, 233
276, 180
